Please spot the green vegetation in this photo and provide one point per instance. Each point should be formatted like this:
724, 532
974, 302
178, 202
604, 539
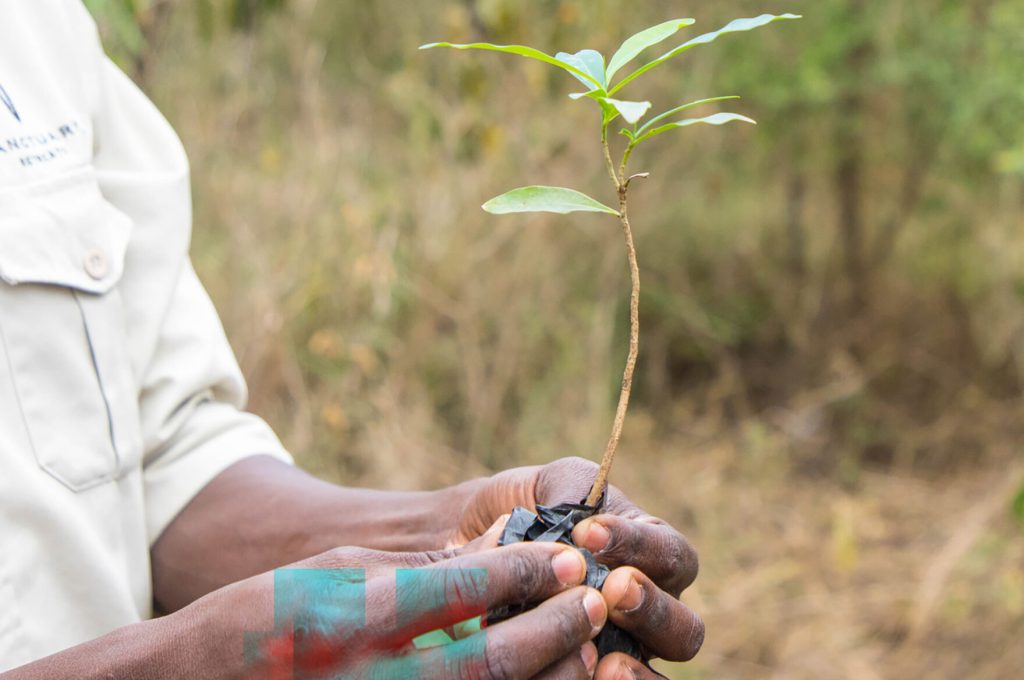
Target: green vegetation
829, 389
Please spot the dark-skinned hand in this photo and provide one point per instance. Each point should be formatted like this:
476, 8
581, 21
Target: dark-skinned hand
651, 562
550, 642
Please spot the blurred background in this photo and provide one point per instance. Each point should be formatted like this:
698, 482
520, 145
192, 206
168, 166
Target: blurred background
828, 399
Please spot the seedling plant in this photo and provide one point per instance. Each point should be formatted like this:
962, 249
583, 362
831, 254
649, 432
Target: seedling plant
599, 77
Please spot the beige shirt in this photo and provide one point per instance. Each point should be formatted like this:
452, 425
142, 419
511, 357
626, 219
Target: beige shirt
119, 395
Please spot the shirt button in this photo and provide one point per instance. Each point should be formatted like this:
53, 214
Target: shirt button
96, 264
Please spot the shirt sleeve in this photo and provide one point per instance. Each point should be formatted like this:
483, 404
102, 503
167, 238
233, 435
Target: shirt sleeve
192, 395
192, 408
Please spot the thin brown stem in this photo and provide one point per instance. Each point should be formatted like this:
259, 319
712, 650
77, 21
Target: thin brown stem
622, 185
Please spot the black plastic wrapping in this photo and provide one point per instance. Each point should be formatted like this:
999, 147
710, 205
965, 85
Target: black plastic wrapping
555, 524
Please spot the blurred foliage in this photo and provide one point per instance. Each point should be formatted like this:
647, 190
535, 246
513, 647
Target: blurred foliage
867, 233
122, 20
129, 26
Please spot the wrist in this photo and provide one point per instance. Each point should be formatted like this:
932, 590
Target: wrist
394, 521
212, 630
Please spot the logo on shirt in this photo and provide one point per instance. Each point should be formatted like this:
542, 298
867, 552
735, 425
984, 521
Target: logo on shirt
43, 146
9, 103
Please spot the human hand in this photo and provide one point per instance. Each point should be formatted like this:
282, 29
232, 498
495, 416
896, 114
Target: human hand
402, 596
652, 563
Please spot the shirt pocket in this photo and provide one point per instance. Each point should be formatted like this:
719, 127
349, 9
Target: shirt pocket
62, 328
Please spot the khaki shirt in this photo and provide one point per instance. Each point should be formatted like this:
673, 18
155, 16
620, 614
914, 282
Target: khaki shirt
119, 395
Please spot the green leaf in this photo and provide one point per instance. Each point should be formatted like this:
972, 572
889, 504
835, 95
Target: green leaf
714, 119
608, 112
522, 51
590, 62
641, 41
545, 199
631, 112
671, 112
732, 27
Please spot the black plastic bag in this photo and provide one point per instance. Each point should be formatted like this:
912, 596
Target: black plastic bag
555, 525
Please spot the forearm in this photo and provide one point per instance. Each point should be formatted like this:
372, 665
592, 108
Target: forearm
261, 514
204, 641
152, 649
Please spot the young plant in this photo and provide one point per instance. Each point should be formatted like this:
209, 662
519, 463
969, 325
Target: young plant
598, 76
590, 68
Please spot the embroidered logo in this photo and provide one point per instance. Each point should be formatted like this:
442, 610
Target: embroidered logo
9, 103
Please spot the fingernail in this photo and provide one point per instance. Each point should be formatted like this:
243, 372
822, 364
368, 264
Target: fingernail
569, 567
589, 654
595, 537
596, 610
626, 673
632, 598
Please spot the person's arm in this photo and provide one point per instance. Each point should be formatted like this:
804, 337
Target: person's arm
151, 649
339, 625
261, 513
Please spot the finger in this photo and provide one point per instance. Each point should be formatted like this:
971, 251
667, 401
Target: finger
649, 544
573, 667
418, 601
377, 562
521, 647
524, 645
489, 539
372, 563
620, 666
666, 627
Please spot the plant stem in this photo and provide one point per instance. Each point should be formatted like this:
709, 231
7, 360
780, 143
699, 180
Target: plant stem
609, 164
622, 186
622, 167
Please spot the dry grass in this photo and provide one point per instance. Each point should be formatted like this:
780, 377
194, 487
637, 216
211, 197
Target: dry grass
903, 577
846, 478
